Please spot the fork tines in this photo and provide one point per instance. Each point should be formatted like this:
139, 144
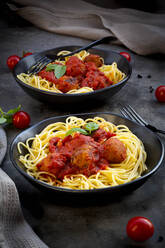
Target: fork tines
130, 113
39, 65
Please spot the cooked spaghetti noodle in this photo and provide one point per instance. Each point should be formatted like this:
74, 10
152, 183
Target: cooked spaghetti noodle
110, 71
130, 169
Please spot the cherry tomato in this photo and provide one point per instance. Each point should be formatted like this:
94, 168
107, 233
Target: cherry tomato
27, 54
126, 55
160, 93
12, 61
21, 119
140, 228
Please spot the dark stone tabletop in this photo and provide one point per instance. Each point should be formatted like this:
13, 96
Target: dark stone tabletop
102, 224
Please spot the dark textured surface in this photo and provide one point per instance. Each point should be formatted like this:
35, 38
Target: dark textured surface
103, 223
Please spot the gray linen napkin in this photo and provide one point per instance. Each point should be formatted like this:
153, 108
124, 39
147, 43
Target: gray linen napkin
141, 32
14, 230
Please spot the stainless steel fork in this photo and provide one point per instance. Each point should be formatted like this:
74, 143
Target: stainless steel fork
131, 114
44, 60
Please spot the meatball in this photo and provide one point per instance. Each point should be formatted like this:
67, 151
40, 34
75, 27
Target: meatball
75, 67
96, 59
96, 80
114, 150
53, 143
53, 163
84, 156
90, 66
100, 135
48, 75
67, 83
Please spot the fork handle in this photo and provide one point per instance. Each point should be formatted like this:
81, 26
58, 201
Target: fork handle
92, 44
154, 129
160, 131
97, 42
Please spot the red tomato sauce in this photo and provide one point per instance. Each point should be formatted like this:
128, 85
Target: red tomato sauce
81, 154
79, 74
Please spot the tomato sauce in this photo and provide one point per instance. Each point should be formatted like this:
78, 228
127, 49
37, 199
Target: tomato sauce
80, 154
79, 74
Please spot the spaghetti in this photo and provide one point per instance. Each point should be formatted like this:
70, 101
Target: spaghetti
111, 72
114, 174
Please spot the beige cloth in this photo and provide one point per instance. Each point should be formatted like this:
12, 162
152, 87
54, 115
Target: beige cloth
14, 230
141, 32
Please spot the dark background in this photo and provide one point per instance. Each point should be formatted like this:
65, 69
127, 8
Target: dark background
102, 224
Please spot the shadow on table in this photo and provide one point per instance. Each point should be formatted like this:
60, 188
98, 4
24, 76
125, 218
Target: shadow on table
83, 200
87, 106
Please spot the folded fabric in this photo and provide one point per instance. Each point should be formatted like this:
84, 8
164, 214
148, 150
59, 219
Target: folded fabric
14, 230
141, 32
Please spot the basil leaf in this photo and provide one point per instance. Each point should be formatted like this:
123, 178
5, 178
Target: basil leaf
1, 111
59, 71
51, 67
8, 118
13, 111
91, 126
76, 129
2, 120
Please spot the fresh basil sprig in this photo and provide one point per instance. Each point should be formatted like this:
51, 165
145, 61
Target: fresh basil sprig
59, 70
91, 126
51, 67
6, 117
2, 120
76, 129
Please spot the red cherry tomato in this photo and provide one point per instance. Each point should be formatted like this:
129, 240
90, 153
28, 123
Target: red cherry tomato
27, 54
140, 228
21, 119
12, 61
160, 93
126, 55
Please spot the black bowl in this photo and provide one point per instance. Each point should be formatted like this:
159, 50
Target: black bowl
152, 143
102, 94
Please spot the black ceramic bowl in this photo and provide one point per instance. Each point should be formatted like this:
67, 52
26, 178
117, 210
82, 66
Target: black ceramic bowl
152, 143
102, 94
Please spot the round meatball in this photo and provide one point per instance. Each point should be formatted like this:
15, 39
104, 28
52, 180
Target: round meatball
100, 135
67, 83
84, 156
75, 67
96, 59
48, 75
95, 80
114, 150
53, 163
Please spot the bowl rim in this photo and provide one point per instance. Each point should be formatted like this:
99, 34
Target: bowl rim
75, 191
77, 94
